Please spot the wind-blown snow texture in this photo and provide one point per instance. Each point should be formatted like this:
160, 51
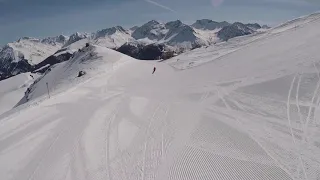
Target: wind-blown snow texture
246, 111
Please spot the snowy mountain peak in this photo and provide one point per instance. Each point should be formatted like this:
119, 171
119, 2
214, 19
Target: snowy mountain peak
29, 39
134, 28
110, 31
61, 39
119, 28
180, 33
234, 30
207, 24
19, 56
151, 30
265, 27
174, 24
203, 22
77, 34
111, 37
242, 26
12, 62
151, 23
7, 54
253, 26
76, 37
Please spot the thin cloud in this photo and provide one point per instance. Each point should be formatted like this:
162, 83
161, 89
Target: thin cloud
160, 5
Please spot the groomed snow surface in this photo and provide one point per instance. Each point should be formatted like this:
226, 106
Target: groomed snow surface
249, 113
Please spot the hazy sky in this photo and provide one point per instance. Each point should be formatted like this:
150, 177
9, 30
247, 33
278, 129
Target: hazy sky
41, 18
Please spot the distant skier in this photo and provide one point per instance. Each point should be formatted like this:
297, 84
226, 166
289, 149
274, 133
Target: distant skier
154, 70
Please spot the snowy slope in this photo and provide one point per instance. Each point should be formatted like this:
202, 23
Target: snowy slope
12, 90
250, 114
206, 54
295, 23
94, 60
202, 55
210, 36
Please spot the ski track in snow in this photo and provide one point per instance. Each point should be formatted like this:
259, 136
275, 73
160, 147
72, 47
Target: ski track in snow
290, 126
248, 131
44, 155
147, 140
313, 105
108, 145
297, 99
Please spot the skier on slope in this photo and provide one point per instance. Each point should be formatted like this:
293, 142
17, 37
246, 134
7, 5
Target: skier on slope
154, 70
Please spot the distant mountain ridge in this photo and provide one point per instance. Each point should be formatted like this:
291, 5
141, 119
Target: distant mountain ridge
207, 24
27, 52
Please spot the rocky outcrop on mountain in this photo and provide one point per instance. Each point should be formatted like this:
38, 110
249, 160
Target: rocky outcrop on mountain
111, 37
207, 24
14, 68
234, 30
182, 35
110, 31
51, 60
152, 30
173, 33
265, 27
134, 28
20, 56
76, 37
55, 40
12, 63
253, 26
130, 49
147, 52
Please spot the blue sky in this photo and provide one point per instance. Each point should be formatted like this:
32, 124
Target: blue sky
41, 18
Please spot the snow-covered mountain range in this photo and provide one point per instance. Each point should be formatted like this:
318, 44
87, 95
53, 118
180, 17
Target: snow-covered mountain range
19, 57
27, 53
